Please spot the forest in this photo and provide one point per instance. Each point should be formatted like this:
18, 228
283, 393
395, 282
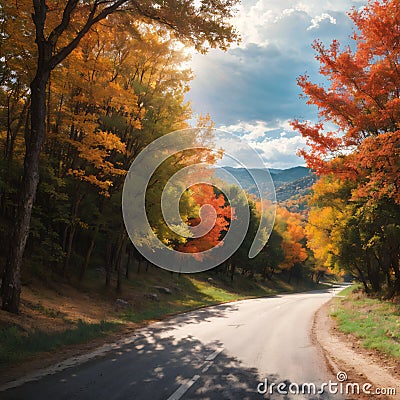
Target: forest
87, 85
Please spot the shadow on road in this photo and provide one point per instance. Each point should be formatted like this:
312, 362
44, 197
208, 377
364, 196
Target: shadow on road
197, 316
153, 368
219, 311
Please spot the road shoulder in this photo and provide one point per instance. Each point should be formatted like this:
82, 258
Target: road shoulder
343, 353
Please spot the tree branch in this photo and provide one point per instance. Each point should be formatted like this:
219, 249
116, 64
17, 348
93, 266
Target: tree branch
152, 16
39, 18
66, 18
91, 20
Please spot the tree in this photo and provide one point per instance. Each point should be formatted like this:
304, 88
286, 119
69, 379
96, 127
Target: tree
327, 204
214, 217
290, 228
274, 255
359, 160
358, 237
362, 101
202, 25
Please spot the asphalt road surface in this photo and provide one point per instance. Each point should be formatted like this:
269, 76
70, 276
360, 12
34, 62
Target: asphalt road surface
229, 351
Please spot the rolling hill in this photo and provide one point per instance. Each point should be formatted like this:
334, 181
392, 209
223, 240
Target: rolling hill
292, 185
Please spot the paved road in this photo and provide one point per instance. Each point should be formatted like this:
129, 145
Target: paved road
217, 353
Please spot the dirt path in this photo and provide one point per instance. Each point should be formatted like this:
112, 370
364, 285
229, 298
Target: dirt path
344, 353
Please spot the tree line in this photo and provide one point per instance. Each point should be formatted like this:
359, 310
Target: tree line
354, 219
37, 39
85, 86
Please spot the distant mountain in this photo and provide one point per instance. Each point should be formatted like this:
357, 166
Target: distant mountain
275, 170
299, 187
290, 175
291, 185
280, 177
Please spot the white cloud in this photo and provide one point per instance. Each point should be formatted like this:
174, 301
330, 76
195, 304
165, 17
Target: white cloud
255, 20
281, 152
276, 143
249, 130
283, 146
251, 89
319, 18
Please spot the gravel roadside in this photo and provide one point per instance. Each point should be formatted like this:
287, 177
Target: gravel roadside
343, 353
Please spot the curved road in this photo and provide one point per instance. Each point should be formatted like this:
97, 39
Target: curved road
217, 353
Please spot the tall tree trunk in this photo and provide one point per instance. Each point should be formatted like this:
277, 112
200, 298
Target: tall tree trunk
46, 61
363, 279
69, 250
72, 232
11, 284
232, 265
272, 273
290, 275
8, 136
373, 273
128, 262
121, 259
396, 284
109, 252
24, 118
89, 253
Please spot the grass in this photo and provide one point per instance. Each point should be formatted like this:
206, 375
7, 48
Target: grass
350, 289
50, 312
193, 294
83, 300
15, 345
375, 322
200, 291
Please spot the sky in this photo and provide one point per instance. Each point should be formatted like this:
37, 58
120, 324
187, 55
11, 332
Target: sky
251, 89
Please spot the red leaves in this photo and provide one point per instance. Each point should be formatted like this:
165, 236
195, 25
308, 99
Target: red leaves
377, 163
321, 144
363, 101
379, 29
215, 214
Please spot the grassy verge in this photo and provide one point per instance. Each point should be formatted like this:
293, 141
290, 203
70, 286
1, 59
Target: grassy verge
15, 345
201, 291
71, 314
375, 322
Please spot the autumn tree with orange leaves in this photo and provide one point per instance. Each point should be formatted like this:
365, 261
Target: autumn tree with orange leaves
362, 102
289, 226
43, 34
214, 213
